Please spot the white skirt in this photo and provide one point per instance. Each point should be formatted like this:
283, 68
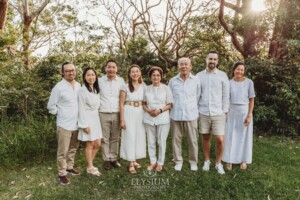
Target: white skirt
133, 137
238, 138
94, 125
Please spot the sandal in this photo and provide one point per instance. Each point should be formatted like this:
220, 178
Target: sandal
132, 169
159, 168
229, 166
151, 167
93, 171
137, 165
243, 165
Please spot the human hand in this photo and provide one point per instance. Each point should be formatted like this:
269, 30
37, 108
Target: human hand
154, 112
87, 130
122, 125
247, 120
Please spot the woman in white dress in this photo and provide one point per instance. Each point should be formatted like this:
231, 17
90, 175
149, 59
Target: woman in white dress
88, 121
158, 100
133, 137
239, 127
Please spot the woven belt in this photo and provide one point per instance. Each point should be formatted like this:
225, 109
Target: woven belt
133, 103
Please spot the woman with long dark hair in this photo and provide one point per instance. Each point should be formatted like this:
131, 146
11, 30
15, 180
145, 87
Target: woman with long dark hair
239, 126
89, 122
133, 137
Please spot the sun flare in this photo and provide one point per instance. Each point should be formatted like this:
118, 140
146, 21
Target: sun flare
258, 5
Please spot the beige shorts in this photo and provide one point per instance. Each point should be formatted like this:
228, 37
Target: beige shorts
216, 124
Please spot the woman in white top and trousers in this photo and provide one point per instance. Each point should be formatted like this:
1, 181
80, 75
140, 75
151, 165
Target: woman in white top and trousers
88, 121
158, 101
239, 127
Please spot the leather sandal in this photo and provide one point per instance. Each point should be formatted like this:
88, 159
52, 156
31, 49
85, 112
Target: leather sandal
243, 165
137, 165
151, 167
132, 169
159, 168
229, 166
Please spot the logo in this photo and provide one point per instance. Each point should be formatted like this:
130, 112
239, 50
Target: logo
150, 181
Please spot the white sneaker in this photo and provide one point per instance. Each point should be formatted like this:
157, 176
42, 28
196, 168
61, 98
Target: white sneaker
178, 167
194, 167
220, 169
206, 165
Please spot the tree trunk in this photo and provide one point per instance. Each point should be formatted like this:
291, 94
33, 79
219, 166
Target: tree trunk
3, 13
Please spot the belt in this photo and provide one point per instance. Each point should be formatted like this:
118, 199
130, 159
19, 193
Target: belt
133, 103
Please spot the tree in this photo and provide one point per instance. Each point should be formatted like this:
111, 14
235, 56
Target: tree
3, 13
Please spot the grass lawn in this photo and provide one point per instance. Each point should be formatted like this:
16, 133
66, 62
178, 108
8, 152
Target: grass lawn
274, 174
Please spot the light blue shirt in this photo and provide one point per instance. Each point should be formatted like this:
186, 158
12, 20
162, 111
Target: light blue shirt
214, 99
240, 92
186, 94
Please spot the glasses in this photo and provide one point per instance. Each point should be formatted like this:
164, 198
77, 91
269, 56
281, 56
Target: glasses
69, 71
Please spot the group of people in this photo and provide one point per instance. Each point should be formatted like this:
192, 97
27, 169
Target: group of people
105, 109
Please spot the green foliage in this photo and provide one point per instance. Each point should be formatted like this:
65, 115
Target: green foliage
32, 139
277, 88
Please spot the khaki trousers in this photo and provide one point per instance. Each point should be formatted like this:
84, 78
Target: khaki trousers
190, 129
110, 124
67, 145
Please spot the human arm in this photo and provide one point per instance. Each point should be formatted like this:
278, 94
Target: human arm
53, 101
225, 94
250, 110
122, 98
82, 122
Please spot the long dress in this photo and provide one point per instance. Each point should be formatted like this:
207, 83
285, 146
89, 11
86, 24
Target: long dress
133, 137
89, 104
238, 138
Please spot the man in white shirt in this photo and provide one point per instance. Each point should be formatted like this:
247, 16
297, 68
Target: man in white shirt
63, 103
109, 114
184, 114
213, 106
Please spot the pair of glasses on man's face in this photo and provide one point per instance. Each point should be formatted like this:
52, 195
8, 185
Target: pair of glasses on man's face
69, 71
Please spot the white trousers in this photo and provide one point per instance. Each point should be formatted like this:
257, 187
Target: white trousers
161, 132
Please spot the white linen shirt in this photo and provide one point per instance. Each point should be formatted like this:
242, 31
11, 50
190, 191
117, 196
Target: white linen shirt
158, 98
186, 95
109, 94
63, 103
214, 99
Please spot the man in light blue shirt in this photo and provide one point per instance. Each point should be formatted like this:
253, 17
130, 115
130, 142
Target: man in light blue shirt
213, 106
184, 114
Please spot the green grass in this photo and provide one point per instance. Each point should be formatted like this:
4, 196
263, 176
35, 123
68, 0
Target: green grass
274, 174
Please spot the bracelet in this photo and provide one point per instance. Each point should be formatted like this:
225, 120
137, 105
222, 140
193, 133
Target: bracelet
160, 110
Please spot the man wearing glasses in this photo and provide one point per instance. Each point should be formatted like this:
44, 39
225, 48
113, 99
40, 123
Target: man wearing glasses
63, 103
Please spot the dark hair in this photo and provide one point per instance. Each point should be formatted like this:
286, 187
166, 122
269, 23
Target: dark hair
235, 65
96, 85
131, 88
155, 68
215, 52
111, 60
63, 66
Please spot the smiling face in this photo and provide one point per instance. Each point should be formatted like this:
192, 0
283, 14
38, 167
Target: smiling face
69, 72
90, 77
239, 71
184, 66
155, 77
212, 61
111, 70
135, 74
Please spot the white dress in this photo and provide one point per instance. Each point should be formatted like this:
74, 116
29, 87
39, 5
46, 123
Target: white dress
238, 138
89, 104
133, 137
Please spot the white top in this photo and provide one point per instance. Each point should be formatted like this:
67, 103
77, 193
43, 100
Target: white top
136, 95
63, 103
240, 92
88, 101
214, 98
158, 98
186, 95
109, 94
